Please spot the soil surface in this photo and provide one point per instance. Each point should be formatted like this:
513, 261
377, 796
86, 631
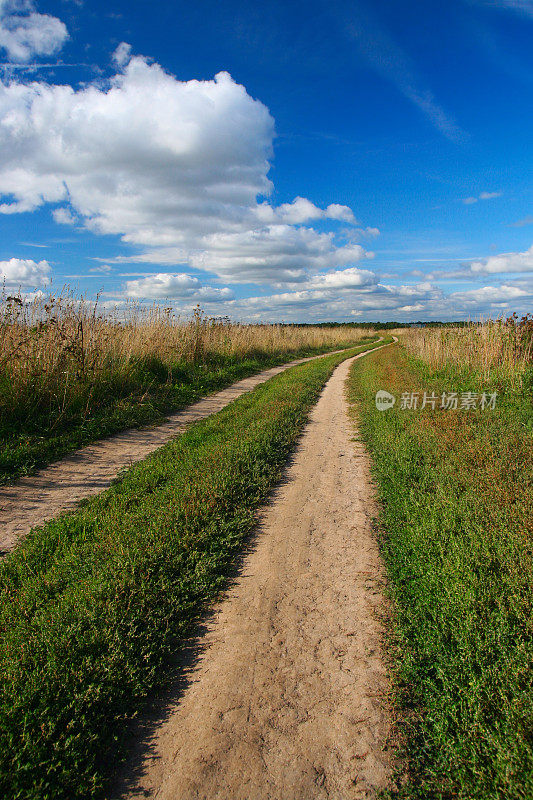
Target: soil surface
37, 498
284, 695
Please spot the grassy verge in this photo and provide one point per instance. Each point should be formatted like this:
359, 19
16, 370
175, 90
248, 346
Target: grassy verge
93, 604
33, 437
456, 491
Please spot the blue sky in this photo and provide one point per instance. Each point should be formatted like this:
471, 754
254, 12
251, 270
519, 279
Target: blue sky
284, 161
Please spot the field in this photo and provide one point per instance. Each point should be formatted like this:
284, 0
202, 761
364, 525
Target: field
395, 634
456, 491
71, 373
94, 603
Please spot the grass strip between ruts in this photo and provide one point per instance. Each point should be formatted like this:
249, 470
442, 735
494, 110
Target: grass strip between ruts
94, 603
456, 492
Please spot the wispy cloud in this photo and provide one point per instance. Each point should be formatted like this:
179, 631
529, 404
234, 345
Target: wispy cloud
11, 65
520, 6
521, 223
468, 201
102, 268
390, 61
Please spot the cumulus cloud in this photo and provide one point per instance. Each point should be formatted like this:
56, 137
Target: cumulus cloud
370, 232
302, 210
343, 279
506, 262
25, 33
63, 216
167, 286
490, 294
273, 253
373, 300
175, 167
343, 296
122, 54
21, 272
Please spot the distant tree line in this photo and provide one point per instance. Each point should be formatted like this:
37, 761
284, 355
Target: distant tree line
381, 326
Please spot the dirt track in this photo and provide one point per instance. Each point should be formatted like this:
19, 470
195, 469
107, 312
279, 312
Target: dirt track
286, 698
33, 500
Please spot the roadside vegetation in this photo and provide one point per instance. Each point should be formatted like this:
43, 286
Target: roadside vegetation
94, 603
71, 373
456, 523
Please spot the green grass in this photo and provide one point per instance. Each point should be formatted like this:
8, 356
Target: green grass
93, 604
456, 521
34, 434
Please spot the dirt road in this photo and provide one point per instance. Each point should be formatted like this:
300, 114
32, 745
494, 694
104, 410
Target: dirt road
33, 500
286, 698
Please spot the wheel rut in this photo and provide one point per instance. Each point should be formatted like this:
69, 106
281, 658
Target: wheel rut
287, 695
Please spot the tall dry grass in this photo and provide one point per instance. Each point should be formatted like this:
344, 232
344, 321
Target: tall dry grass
500, 349
63, 354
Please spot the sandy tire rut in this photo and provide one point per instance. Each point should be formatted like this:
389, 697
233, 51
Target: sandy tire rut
287, 697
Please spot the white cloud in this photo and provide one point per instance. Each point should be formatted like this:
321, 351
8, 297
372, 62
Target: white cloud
24, 33
411, 309
374, 301
63, 216
521, 223
506, 262
370, 232
149, 157
343, 279
175, 167
468, 201
342, 298
169, 286
490, 294
489, 195
122, 54
279, 253
22, 272
105, 269
303, 210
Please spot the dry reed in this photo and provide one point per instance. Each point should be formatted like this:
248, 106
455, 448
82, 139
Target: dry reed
500, 349
59, 350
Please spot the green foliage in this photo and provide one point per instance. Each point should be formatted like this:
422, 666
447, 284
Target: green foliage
456, 491
93, 604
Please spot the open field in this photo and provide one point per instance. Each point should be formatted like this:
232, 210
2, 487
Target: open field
95, 603
496, 353
34, 499
70, 375
286, 691
456, 492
